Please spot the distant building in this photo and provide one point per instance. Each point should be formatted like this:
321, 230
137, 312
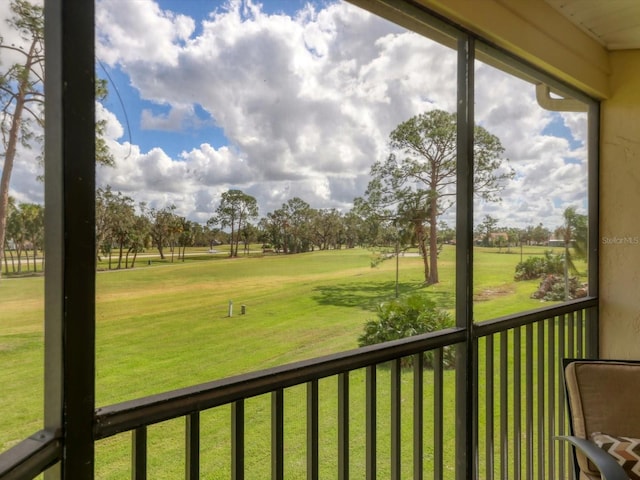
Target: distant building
498, 237
556, 242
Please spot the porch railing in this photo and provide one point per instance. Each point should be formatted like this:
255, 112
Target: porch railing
376, 410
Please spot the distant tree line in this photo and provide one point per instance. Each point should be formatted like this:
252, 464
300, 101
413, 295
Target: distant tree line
489, 234
24, 237
124, 229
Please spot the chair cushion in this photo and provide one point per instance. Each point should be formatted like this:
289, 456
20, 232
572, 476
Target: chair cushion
625, 450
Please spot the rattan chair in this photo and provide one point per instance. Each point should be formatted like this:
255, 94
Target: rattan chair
604, 405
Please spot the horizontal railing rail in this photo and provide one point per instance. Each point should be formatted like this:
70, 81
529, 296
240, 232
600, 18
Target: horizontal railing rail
31, 457
507, 322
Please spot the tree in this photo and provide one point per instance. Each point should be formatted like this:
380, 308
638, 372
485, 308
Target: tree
104, 199
420, 185
447, 234
15, 232
514, 238
353, 229
22, 98
375, 227
574, 234
137, 239
199, 233
117, 225
33, 224
122, 219
273, 228
236, 208
21, 94
25, 229
327, 227
486, 228
540, 234
298, 214
415, 209
211, 234
248, 233
161, 225
187, 236
7, 246
175, 224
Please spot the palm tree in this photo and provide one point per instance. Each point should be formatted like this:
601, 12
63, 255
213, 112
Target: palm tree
574, 234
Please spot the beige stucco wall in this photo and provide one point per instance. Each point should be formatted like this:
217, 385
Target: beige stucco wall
620, 210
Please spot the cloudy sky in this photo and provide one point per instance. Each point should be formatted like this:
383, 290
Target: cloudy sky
292, 98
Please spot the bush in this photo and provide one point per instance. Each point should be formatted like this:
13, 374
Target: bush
536, 267
406, 317
551, 289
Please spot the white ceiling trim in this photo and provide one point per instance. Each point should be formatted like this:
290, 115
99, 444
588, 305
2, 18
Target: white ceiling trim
613, 23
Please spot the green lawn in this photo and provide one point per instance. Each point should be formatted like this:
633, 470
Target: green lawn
166, 326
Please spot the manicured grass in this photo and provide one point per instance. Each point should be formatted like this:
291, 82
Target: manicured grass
166, 326
295, 309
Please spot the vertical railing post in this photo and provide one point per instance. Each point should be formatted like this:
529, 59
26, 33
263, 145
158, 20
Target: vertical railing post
343, 426
192, 446
139, 454
580, 349
551, 390
541, 401
370, 420
313, 459
529, 377
418, 415
504, 407
70, 232
277, 435
396, 441
560, 398
489, 408
438, 414
517, 403
237, 440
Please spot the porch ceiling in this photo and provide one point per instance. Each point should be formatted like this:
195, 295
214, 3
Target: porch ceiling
613, 23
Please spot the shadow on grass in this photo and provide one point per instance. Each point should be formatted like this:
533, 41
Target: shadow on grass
368, 295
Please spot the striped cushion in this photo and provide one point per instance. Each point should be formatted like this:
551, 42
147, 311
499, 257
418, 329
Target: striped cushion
625, 450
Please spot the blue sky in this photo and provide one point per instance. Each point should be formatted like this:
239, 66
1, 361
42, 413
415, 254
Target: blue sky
557, 128
126, 103
202, 8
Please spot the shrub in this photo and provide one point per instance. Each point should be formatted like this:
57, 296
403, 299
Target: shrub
536, 267
551, 289
532, 267
406, 317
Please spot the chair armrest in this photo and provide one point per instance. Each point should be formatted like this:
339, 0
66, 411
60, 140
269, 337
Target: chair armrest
605, 463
